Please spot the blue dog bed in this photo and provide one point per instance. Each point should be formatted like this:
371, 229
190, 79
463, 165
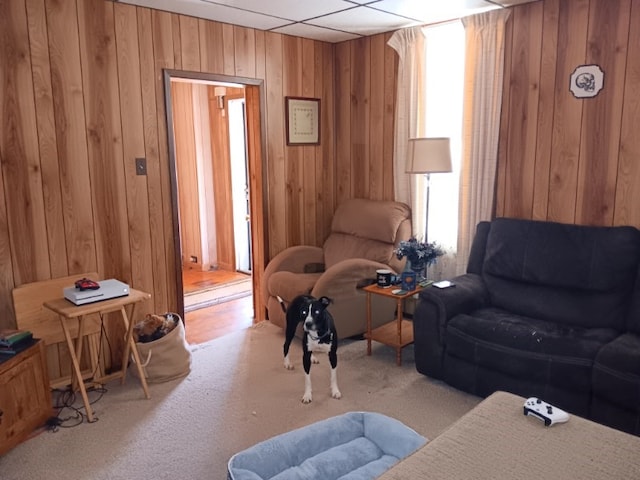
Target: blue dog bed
355, 445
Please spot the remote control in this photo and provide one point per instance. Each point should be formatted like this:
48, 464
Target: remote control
549, 414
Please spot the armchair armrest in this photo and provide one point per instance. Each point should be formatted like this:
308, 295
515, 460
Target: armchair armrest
293, 259
435, 308
469, 294
344, 278
342, 283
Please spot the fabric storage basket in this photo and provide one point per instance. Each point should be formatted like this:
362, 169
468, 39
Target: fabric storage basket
166, 358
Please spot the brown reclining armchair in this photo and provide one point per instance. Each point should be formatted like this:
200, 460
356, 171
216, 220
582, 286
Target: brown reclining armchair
364, 234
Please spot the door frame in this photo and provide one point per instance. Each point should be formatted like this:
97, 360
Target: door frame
258, 188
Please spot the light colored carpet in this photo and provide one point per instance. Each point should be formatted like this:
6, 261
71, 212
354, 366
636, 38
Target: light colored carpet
237, 394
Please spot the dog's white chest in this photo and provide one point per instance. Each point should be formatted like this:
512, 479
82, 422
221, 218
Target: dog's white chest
316, 346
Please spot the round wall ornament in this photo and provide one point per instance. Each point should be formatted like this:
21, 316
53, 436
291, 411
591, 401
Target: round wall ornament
586, 81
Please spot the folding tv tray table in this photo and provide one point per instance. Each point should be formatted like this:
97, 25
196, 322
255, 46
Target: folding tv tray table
68, 312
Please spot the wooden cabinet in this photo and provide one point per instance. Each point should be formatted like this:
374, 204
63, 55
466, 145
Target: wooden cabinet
25, 399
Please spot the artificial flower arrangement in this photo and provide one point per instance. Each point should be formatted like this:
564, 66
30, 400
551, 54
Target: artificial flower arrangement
419, 254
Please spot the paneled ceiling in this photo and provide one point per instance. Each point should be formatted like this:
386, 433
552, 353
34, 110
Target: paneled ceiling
327, 20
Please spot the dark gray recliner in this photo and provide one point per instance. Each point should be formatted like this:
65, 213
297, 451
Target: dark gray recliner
545, 310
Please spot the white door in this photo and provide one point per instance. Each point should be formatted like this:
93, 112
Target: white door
239, 184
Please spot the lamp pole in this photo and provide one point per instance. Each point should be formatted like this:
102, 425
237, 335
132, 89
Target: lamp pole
426, 222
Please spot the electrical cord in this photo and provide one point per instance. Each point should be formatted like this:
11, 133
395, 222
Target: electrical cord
64, 402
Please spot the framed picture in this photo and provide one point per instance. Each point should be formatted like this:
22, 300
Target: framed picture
302, 120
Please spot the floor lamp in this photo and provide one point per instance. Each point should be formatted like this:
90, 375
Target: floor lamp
426, 156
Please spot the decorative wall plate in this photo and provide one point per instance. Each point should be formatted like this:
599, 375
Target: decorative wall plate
586, 81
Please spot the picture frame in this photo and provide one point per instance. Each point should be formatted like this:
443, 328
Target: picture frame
302, 117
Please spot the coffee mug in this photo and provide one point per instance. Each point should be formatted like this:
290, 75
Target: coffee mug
384, 278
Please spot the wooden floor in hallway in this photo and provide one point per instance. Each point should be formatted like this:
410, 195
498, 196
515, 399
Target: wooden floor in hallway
211, 322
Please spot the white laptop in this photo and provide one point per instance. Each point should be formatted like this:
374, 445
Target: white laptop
111, 288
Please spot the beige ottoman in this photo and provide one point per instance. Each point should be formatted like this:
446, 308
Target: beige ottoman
496, 440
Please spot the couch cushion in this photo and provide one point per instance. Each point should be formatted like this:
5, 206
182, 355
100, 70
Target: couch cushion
572, 274
545, 352
616, 372
354, 445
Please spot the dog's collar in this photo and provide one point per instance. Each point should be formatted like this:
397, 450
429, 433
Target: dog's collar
322, 337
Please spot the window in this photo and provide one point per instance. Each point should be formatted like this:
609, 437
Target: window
444, 50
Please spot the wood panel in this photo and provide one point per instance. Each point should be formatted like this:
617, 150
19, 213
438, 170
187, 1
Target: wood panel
162, 38
549, 55
365, 82
343, 121
275, 143
375, 143
82, 96
575, 166
524, 98
627, 191
223, 199
104, 137
389, 98
360, 114
45, 118
600, 141
257, 207
325, 166
186, 173
244, 44
133, 145
294, 168
189, 43
20, 153
211, 46
204, 167
308, 153
159, 268
572, 32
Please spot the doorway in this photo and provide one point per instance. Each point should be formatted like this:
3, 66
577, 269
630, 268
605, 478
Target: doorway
216, 187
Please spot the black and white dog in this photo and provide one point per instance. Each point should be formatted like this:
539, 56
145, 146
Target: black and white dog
319, 336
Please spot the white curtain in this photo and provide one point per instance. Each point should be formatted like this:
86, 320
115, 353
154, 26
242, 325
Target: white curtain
484, 71
410, 105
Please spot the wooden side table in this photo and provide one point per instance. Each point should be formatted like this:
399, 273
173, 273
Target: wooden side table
69, 312
398, 333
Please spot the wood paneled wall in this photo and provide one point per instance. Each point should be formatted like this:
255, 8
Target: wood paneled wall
81, 96
366, 71
562, 158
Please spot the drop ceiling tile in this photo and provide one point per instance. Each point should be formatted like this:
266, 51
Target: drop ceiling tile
210, 11
316, 33
289, 9
431, 11
363, 21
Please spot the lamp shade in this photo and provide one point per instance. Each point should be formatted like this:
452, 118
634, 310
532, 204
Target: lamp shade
428, 155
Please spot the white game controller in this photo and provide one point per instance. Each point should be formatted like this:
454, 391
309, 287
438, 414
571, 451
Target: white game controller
549, 414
